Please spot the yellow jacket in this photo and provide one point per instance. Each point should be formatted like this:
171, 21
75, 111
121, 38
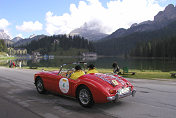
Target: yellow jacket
92, 71
77, 74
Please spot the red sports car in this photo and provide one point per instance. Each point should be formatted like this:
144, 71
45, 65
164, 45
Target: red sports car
88, 89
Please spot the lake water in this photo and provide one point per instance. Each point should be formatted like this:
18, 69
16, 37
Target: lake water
103, 62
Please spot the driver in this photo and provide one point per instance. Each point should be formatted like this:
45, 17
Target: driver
78, 72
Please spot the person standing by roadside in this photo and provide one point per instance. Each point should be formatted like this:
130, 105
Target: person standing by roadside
13, 64
10, 64
116, 68
20, 64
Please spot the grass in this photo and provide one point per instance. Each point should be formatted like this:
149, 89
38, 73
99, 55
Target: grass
145, 74
150, 75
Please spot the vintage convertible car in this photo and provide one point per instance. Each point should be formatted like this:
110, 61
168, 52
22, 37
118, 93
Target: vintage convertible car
88, 89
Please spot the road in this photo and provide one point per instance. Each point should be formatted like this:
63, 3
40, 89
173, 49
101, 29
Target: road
19, 99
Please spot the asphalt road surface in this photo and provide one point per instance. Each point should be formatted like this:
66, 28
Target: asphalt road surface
19, 99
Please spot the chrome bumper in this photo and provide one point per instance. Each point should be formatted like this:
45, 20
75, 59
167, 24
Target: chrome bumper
118, 96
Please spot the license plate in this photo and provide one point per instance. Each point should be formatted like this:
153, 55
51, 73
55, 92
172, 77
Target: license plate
124, 90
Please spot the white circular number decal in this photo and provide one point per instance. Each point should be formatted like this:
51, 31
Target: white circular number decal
64, 85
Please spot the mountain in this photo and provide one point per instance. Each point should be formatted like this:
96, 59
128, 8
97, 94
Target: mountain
16, 39
3, 35
26, 41
162, 19
123, 45
89, 32
122, 41
166, 15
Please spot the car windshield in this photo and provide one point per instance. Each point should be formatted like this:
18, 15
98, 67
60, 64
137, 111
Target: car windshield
71, 67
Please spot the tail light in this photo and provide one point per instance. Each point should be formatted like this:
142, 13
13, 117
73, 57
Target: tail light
111, 91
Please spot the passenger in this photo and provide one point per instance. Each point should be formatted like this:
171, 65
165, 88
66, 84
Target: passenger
91, 69
78, 72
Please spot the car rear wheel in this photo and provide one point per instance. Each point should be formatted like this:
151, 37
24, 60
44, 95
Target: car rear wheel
84, 97
39, 86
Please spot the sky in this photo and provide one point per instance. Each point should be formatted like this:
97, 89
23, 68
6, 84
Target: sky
26, 17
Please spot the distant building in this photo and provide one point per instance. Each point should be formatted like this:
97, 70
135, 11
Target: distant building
89, 54
17, 51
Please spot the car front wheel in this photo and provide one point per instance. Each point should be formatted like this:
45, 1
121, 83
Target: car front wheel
84, 97
39, 86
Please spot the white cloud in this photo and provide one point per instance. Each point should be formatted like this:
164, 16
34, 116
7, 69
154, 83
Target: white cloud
30, 26
4, 23
4, 26
117, 14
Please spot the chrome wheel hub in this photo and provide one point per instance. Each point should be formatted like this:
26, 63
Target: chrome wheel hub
39, 86
84, 96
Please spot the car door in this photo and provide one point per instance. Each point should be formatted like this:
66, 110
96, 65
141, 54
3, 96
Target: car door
63, 85
60, 84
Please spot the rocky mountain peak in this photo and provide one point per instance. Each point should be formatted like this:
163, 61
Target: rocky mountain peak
91, 31
169, 13
169, 8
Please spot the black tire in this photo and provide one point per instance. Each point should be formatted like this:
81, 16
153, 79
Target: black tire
39, 86
84, 96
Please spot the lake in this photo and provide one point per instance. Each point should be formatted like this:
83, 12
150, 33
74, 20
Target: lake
102, 62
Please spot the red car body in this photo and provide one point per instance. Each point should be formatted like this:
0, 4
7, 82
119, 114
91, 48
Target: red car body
103, 87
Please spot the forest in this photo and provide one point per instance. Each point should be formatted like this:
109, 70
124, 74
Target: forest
59, 44
156, 48
3, 47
